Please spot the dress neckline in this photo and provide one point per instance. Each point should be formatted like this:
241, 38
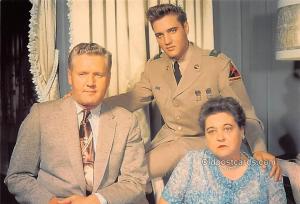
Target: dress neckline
226, 182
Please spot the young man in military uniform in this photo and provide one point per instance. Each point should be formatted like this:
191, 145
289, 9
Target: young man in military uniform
180, 80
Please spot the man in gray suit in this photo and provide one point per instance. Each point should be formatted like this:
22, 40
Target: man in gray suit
58, 159
180, 80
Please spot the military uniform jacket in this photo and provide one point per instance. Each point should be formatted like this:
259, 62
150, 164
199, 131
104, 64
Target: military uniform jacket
207, 75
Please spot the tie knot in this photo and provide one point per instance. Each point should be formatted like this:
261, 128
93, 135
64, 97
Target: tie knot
86, 114
176, 64
177, 72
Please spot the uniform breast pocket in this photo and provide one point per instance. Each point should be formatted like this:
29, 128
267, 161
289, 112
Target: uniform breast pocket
203, 94
160, 95
197, 95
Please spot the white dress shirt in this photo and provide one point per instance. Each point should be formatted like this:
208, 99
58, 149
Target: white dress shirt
94, 118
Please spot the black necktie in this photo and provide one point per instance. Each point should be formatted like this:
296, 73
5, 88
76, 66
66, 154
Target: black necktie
177, 72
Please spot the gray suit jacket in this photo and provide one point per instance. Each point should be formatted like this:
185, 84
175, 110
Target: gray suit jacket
47, 161
207, 75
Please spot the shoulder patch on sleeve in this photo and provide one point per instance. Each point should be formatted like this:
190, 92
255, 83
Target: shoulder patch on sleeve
157, 56
214, 53
234, 74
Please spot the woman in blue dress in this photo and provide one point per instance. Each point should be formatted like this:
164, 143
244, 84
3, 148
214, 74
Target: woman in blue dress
222, 173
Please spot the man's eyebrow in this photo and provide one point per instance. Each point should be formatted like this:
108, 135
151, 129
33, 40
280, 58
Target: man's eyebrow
172, 28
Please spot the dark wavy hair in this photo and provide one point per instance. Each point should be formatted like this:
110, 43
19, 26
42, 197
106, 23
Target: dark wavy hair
157, 12
222, 104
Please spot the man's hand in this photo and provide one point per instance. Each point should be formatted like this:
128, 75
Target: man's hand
77, 199
53, 200
262, 156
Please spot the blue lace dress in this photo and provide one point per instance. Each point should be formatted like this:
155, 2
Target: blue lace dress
195, 181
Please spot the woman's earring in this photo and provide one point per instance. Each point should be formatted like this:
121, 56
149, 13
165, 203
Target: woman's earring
243, 136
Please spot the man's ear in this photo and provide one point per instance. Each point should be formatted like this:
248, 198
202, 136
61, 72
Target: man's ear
243, 133
186, 27
69, 77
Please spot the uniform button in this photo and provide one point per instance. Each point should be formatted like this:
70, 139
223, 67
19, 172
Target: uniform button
175, 103
179, 128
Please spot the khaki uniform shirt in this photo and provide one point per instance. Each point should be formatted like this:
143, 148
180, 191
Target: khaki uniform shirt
207, 74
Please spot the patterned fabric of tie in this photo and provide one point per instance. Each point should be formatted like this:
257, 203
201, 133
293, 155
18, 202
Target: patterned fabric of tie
177, 72
87, 149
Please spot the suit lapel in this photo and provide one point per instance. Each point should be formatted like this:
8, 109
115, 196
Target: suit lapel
194, 69
104, 144
70, 130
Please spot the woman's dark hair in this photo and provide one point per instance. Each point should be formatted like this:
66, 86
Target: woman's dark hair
157, 12
220, 105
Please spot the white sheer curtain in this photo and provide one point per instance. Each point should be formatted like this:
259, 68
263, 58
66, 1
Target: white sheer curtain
122, 28
43, 56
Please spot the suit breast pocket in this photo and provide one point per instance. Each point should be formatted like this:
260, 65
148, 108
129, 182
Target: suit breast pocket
116, 158
119, 144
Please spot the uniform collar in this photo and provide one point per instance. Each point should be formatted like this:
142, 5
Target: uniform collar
185, 59
187, 55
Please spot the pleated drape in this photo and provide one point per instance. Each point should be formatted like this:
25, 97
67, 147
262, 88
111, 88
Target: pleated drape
43, 56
